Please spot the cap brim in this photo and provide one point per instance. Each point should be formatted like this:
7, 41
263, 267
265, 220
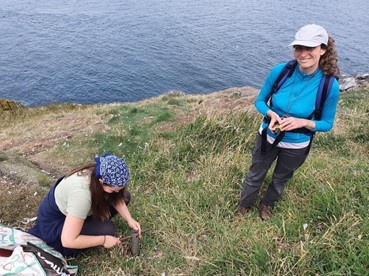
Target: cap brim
305, 43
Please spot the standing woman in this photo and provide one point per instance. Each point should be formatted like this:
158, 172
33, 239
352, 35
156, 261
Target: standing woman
76, 212
316, 56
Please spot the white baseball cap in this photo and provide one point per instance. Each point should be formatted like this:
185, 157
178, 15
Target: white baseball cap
311, 35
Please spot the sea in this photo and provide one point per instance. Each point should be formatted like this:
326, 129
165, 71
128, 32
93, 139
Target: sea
105, 51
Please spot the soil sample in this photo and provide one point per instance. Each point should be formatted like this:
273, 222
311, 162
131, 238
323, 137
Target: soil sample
135, 246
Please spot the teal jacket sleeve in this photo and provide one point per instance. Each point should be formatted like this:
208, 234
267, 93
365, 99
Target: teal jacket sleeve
261, 102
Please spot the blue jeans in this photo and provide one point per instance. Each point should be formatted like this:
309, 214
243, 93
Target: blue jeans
287, 162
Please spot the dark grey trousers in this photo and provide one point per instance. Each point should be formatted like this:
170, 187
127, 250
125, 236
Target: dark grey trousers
93, 226
288, 161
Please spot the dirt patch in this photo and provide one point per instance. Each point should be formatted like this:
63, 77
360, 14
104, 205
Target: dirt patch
229, 100
17, 169
217, 103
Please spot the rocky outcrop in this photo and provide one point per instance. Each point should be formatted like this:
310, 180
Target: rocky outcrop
6, 105
348, 83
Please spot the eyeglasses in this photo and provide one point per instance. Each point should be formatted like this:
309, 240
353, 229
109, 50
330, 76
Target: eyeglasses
299, 48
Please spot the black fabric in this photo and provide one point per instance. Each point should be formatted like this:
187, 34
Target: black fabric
51, 264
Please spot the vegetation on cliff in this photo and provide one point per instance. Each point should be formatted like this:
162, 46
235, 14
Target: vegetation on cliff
188, 155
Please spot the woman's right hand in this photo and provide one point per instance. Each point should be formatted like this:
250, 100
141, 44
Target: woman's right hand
274, 119
110, 241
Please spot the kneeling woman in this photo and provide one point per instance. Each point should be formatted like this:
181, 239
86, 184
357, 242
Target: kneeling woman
76, 212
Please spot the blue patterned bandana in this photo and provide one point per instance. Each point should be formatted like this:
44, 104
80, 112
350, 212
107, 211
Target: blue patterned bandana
112, 170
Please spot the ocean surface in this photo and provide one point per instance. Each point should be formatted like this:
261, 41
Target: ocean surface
103, 51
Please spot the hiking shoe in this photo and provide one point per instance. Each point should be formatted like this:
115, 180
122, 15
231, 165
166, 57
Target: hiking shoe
243, 209
265, 211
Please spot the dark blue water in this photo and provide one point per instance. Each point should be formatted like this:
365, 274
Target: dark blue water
102, 51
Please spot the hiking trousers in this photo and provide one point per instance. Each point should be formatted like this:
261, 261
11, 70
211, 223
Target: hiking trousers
287, 162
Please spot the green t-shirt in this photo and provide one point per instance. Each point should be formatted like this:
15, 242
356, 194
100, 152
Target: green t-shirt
73, 195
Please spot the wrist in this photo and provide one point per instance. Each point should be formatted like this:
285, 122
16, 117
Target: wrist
269, 113
309, 124
104, 240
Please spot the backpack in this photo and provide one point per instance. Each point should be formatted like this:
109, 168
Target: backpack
324, 87
23, 254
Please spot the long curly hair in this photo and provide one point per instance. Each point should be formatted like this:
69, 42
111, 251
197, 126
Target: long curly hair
100, 201
329, 61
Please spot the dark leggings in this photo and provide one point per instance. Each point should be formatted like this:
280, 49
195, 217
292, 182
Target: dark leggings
95, 227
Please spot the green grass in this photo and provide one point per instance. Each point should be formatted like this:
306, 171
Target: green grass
186, 182
186, 185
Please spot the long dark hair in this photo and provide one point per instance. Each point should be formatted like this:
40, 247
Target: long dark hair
329, 61
100, 201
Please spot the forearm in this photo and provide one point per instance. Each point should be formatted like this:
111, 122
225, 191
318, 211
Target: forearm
291, 123
125, 214
83, 241
123, 211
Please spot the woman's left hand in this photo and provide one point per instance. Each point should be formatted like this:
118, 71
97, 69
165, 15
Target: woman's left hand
135, 226
124, 212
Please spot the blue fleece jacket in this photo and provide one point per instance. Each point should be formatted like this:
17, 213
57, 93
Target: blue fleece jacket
297, 97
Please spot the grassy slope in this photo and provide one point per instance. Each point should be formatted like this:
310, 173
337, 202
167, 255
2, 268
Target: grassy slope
187, 162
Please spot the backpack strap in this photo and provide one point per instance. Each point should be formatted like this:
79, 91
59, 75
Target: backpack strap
264, 139
325, 86
286, 73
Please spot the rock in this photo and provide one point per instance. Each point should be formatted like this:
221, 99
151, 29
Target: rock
349, 83
363, 77
7, 105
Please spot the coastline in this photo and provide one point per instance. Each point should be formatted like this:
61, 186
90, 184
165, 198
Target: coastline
347, 84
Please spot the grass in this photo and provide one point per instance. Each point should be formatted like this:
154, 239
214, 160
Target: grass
186, 181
